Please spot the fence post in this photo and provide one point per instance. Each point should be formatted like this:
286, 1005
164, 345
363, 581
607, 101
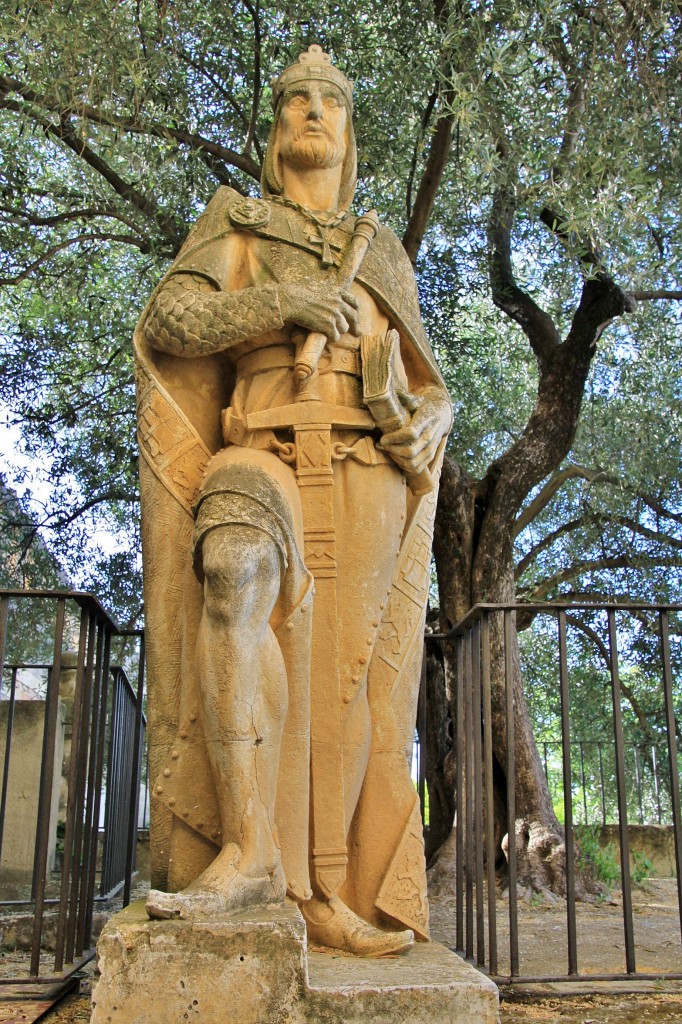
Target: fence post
672, 753
622, 797
509, 629
568, 796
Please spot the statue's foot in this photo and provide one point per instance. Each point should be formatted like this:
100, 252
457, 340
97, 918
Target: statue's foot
219, 890
334, 924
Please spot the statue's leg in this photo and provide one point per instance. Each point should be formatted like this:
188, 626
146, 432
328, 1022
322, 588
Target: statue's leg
243, 704
243, 687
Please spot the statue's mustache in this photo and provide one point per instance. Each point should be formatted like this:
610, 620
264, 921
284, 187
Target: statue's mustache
320, 131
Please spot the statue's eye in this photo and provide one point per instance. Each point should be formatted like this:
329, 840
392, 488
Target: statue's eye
331, 102
297, 102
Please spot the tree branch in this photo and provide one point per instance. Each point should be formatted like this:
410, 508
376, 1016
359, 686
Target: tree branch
144, 247
426, 117
546, 542
65, 133
50, 522
660, 293
507, 296
88, 213
573, 620
554, 484
439, 151
224, 92
660, 510
255, 102
95, 115
595, 519
624, 561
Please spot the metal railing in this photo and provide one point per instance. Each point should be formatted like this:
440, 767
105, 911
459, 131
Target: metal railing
74, 641
124, 760
646, 769
484, 659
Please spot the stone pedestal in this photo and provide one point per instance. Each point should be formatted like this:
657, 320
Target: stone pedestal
254, 968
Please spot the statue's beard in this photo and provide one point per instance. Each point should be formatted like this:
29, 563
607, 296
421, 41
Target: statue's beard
313, 150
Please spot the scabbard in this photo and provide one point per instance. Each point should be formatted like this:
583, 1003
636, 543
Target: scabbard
315, 480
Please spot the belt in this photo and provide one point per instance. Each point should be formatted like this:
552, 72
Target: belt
236, 432
335, 359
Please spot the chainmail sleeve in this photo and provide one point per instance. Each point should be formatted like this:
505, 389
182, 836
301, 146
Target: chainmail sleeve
184, 320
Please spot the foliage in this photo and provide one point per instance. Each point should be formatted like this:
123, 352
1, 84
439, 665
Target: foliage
121, 118
593, 857
643, 867
646, 758
528, 156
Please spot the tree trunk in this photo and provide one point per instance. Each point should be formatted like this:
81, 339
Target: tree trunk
475, 564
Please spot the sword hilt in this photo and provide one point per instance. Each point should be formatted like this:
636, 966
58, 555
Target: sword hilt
365, 231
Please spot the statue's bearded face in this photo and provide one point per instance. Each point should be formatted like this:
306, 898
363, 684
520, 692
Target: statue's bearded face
313, 126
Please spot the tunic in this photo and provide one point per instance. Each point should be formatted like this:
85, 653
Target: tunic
216, 436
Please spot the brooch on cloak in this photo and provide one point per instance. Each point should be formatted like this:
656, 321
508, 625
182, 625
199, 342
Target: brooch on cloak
250, 213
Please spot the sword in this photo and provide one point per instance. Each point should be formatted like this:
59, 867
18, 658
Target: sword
312, 423
310, 350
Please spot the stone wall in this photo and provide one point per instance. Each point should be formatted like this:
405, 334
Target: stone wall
23, 787
657, 842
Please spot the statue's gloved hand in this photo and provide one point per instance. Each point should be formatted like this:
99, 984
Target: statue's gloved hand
329, 310
413, 446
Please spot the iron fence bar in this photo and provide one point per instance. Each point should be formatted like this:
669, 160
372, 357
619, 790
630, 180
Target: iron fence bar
81, 783
479, 839
72, 808
509, 628
622, 797
672, 754
120, 792
110, 824
638, 783
97, 789
46, 780
582, 778
146, 778
34, 879
4, 612
90, 833
543, 979
459, 794
489, 796
469, 797
601, 782
657, 791
568, 797
135, 785
542, 609
8, 748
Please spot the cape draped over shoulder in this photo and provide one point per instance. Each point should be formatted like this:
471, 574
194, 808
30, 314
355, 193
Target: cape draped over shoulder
177, 437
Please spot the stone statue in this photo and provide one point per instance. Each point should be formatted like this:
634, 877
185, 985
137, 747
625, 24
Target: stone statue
291, 425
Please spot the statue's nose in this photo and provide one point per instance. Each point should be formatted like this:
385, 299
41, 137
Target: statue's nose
315, 109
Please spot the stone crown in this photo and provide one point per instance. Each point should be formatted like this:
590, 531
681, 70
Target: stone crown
312, 66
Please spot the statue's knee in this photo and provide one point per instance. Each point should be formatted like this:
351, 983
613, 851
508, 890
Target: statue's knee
241, 572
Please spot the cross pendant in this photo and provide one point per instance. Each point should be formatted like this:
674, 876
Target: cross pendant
322, 239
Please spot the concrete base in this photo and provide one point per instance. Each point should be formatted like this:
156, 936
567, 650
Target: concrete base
254, 968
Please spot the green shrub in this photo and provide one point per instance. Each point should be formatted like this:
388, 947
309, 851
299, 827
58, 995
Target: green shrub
600, 862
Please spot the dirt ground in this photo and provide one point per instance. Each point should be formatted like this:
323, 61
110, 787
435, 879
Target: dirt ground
600, 939
542, 947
